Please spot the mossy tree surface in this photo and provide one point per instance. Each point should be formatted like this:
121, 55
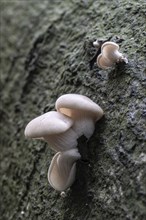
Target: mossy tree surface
45, 52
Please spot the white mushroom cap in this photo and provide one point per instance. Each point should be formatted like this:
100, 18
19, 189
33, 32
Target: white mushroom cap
111, 45
62, 170
103, 62
55, 128
82, 110
110, 55
110, 51
49, 123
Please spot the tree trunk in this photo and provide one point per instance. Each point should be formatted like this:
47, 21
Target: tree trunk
46, 47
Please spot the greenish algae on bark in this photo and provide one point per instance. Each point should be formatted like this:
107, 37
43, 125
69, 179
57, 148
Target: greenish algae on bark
45, 50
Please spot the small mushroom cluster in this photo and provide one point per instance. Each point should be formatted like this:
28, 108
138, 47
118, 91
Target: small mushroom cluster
109, 55
75, 116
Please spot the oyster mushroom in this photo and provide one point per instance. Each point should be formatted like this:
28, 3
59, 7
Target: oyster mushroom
82, 110
110, 55
55, 128
62, 170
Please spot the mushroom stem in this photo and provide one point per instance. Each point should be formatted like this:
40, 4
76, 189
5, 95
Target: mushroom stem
63, 141
67, 158
123, 59
81, 128
114, 56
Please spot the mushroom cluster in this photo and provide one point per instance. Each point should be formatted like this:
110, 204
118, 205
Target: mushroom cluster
109, 55
75, 116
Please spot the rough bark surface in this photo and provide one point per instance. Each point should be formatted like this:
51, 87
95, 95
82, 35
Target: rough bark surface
45, 52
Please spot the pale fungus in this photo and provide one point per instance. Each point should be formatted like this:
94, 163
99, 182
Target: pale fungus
110, 55
75, 116
96, 43
82, 110
55, 128
62, 170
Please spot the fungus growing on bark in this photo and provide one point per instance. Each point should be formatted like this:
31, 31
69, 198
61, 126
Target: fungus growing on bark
82, 110
76, 116
96, 43
62, 170
110, 55
55, 128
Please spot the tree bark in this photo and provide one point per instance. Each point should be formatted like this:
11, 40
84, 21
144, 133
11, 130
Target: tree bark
46, 47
